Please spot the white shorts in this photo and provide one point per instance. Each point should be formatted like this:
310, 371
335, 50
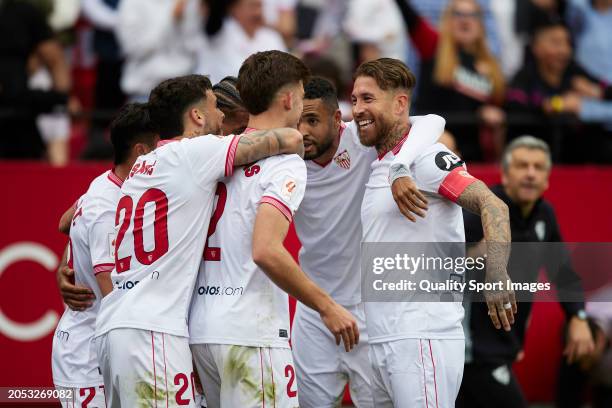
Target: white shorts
242, 376
86, 397
323, 367
146, 368
417, 372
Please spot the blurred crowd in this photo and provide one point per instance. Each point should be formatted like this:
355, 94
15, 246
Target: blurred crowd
494, 69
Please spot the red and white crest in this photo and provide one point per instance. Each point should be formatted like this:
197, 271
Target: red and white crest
343, 160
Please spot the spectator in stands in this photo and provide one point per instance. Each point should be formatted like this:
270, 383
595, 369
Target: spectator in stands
281, 16
460, 74
432, 10
242, 33
488, 380
376, 28
230, 103
548, 86
160, 40
591, 25
108, 96
24, 32
54, 127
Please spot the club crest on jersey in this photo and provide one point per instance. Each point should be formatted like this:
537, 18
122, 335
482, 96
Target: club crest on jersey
343, 160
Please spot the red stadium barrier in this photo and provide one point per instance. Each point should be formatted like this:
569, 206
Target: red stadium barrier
30, 247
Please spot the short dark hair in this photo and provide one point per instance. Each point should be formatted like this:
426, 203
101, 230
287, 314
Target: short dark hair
389, 74
545, 23
321, 88
131, 125
262, 74
170, 100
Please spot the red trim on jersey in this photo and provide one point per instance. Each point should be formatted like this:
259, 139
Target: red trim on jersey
104, 393
340, 133
249, 130
165, 373
279, 205
263, 392
434, 370
455, 183
154, 373
396, 148
272, 373
231, 155
105, 267
424, 378
165, 142
115, 178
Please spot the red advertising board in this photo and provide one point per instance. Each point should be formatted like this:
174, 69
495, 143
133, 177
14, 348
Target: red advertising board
30, 248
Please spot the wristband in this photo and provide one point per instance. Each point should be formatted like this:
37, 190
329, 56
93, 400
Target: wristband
396, 171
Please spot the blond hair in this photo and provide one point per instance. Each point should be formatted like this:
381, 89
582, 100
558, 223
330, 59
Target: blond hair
447, 55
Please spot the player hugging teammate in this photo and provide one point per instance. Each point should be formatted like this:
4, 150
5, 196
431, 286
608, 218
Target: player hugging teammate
185, 243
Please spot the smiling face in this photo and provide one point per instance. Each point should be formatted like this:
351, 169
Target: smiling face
552, 48
320, 126
373, 110
526, 177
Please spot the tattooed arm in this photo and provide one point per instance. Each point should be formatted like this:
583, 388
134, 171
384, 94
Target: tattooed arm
478, 199
265, 143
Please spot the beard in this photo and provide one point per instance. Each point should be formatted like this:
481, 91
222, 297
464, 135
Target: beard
318, 148
376, 133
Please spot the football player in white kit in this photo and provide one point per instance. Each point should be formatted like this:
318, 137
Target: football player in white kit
239, 320
328, 225
417, 348
74, 359
162, 216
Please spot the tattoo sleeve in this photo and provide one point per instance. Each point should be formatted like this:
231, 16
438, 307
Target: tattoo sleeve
478, 199
265, 143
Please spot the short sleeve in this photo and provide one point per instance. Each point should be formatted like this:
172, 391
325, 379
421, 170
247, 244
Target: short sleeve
284, 184
442, 172
211, 157
102, 242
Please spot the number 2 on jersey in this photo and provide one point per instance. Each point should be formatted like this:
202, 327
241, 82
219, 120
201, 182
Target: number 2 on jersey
160, 228
214, 253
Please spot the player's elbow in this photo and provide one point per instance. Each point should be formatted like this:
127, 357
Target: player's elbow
263, 254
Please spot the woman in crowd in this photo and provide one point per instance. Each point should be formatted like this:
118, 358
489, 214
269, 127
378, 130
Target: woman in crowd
459, 75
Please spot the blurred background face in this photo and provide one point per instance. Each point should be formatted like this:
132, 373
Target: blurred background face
317, 124
465, 22
372, 110
249, 14
526, 178
552, 48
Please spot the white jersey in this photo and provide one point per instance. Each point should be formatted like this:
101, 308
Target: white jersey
161, 221
92, 230
327, 222
234, 301
442, 177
